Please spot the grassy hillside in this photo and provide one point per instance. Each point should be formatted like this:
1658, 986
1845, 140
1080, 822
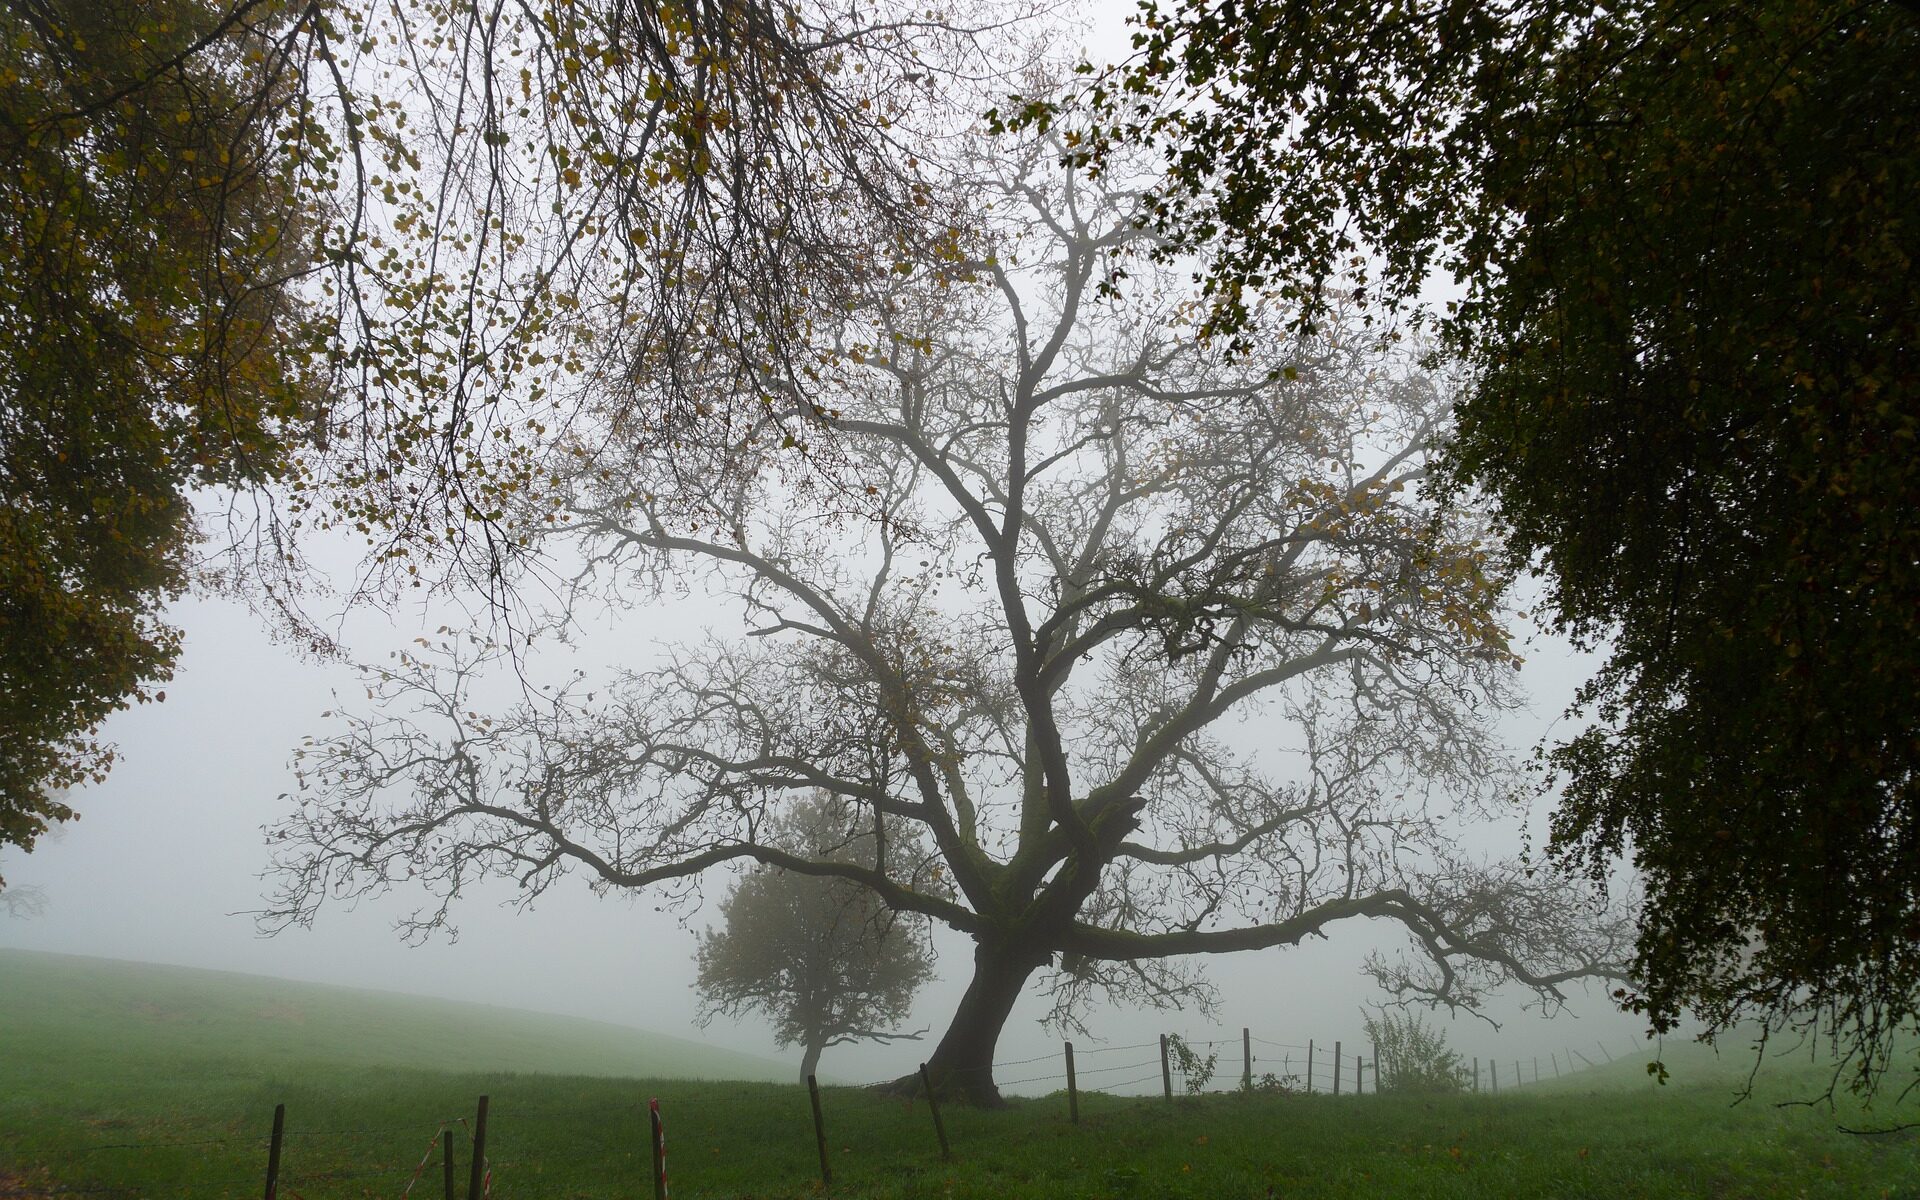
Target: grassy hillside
101, 1095
88, 1015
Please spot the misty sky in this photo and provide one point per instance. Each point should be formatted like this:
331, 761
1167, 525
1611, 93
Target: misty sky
164, 867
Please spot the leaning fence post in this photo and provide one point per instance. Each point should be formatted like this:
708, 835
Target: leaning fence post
933, 1106
1246, 1055
1556, 1064
1073, 1089
1336, 1068
1536, 1068
1309, 1066
446, 1160
273, 1149
1166, 1071
658, 1131
819, 1130
477, 1174
1603, 1050
1519, 1077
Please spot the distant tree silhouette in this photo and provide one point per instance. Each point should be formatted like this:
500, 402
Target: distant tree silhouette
821, 956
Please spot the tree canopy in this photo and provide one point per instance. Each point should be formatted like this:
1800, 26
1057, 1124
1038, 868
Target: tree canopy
371, 254
1087, 545
823, 957
560, 209
1685, 234
148, 242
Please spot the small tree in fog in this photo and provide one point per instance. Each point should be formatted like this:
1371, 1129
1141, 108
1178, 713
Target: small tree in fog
818, 955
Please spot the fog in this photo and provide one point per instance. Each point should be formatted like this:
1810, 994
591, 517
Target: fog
164, 866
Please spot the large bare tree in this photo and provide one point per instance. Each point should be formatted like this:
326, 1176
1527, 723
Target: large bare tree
354, 259
1164, 653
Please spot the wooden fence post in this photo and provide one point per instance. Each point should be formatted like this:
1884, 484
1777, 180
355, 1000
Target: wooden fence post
446, 1160
933, 1106
1073, 1089
1360, 1076
1246, 1057
1494, 1068
273, 1149
1309, 1066
477, 1174
1603, 1050
1166, 1071
1336, 1068
1556, 1065
1376, 1067
1536, 1068
819, 1131
658, 1136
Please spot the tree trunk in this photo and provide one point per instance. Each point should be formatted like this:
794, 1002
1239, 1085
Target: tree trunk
962, 1064
810, 1060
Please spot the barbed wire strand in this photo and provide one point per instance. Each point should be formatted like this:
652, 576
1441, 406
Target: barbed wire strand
1032, 1079
1088, 1053
433, 1143
414, 1127
1133, 1066
1021, 1062
337, 1176
486, 1164
256, 1143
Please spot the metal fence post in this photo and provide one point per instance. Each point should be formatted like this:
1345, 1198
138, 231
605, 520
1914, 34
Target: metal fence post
819, 1131
273, 1149
477, 1174
1073, 1089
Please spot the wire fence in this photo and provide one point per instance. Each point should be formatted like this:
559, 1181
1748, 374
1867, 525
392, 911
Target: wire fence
1207, 1064
280, 1171
390, 1163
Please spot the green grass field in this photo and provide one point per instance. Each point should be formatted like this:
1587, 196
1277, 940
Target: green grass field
118, 1079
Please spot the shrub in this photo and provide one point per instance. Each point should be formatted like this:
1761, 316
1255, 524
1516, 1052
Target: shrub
1412, 1056
1186, 1060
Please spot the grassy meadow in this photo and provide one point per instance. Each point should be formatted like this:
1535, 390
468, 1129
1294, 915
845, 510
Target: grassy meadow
125, 1080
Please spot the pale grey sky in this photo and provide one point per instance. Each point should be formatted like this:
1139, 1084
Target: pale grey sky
163, 868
